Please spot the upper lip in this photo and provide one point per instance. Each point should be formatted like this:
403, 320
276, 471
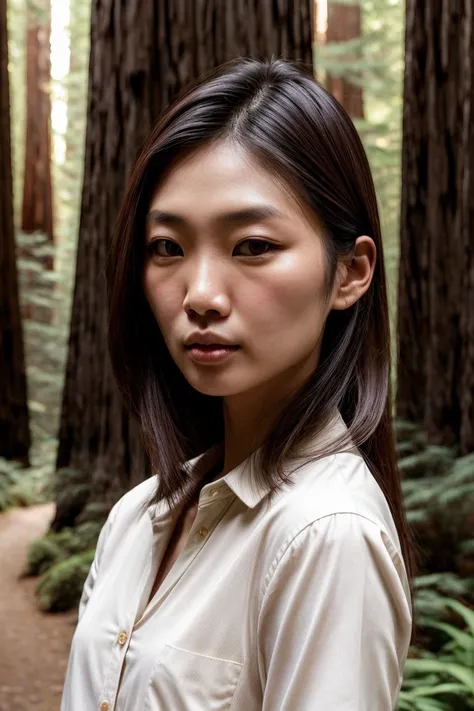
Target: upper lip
207, 338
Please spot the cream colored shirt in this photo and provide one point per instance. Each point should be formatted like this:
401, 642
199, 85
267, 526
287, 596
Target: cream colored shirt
300, 606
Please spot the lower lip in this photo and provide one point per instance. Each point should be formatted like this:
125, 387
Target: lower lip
215, 354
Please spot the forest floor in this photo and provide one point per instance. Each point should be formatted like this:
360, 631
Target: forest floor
34, 646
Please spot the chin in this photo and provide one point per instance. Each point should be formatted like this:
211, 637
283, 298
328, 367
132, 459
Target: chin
216, 386
214, 390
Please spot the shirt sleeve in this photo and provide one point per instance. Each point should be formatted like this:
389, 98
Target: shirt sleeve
93, 570
335, 621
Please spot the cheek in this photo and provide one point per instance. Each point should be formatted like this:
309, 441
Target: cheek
288, 303
163, 297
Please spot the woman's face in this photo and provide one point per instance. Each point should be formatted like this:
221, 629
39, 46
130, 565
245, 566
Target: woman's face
230, 252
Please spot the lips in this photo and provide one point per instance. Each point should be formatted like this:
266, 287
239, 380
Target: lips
208, 338
211, 346
210, 354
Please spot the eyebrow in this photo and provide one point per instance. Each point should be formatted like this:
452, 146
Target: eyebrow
258, 213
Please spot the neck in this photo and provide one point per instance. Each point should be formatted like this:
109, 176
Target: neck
247, 421
249, 416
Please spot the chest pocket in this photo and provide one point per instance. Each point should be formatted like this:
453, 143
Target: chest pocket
184, 680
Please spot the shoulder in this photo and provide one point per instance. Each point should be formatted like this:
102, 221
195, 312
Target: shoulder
130, 504
337, 484
332, 502
339, 546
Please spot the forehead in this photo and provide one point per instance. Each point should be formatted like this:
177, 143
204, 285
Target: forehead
222, 175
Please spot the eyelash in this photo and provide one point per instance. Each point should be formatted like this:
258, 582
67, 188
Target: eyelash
152, 245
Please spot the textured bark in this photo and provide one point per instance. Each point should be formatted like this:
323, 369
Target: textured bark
344, 23
14, 428
142, 53
37, 211
436, 274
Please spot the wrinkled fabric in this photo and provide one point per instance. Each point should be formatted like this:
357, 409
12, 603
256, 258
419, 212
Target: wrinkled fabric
300, 605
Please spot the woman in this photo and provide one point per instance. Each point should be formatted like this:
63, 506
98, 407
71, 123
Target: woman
267, 564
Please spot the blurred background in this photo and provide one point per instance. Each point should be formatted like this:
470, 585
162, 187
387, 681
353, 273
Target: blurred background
81, 85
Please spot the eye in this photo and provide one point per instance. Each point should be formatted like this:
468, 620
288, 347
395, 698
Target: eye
160, 247
257, 247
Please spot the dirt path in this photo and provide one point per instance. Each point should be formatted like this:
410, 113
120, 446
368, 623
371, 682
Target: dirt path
34, 647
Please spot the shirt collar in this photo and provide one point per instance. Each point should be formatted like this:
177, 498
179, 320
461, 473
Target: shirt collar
243, 480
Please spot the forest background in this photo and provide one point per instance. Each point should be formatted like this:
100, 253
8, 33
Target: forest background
384, 61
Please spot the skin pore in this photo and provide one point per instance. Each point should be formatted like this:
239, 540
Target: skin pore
256, 279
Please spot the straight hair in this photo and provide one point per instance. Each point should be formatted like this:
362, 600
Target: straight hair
287, 123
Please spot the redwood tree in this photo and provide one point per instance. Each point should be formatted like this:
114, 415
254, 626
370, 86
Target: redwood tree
37, 213
344, 24
37, 209
142, 53
436, 274
14, 428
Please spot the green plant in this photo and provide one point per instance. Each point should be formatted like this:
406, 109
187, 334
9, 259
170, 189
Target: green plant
61, 587
442, 680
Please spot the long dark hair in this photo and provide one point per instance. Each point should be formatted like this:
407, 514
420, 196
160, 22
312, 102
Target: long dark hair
278, 112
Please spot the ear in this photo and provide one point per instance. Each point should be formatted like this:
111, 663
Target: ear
355, 274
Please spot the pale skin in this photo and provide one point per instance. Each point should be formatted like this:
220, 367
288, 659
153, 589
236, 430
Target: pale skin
200, 274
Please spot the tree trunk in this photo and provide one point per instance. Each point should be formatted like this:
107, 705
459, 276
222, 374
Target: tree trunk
436, 272
37, 192
14, 426
141, 56
344, 24
37, 211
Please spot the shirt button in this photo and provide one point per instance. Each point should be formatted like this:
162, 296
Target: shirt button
104, 706
122, 638
203, 532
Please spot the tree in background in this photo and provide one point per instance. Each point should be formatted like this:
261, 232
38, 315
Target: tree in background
344, 25
76, 88
14, 425
37, 209
37, 213
375, 61
68, 175
16, 20
436, 274
140, 58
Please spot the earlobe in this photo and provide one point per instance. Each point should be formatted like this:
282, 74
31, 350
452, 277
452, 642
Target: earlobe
343, 300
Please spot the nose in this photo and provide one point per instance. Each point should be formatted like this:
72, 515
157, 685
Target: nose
205, 288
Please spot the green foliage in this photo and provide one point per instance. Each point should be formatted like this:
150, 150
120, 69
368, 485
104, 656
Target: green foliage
10, 475
432, 592
438, 489
441, 676
61, 587
42, 555
95, 512
442, 679
20, 486
53, 548
45, 293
